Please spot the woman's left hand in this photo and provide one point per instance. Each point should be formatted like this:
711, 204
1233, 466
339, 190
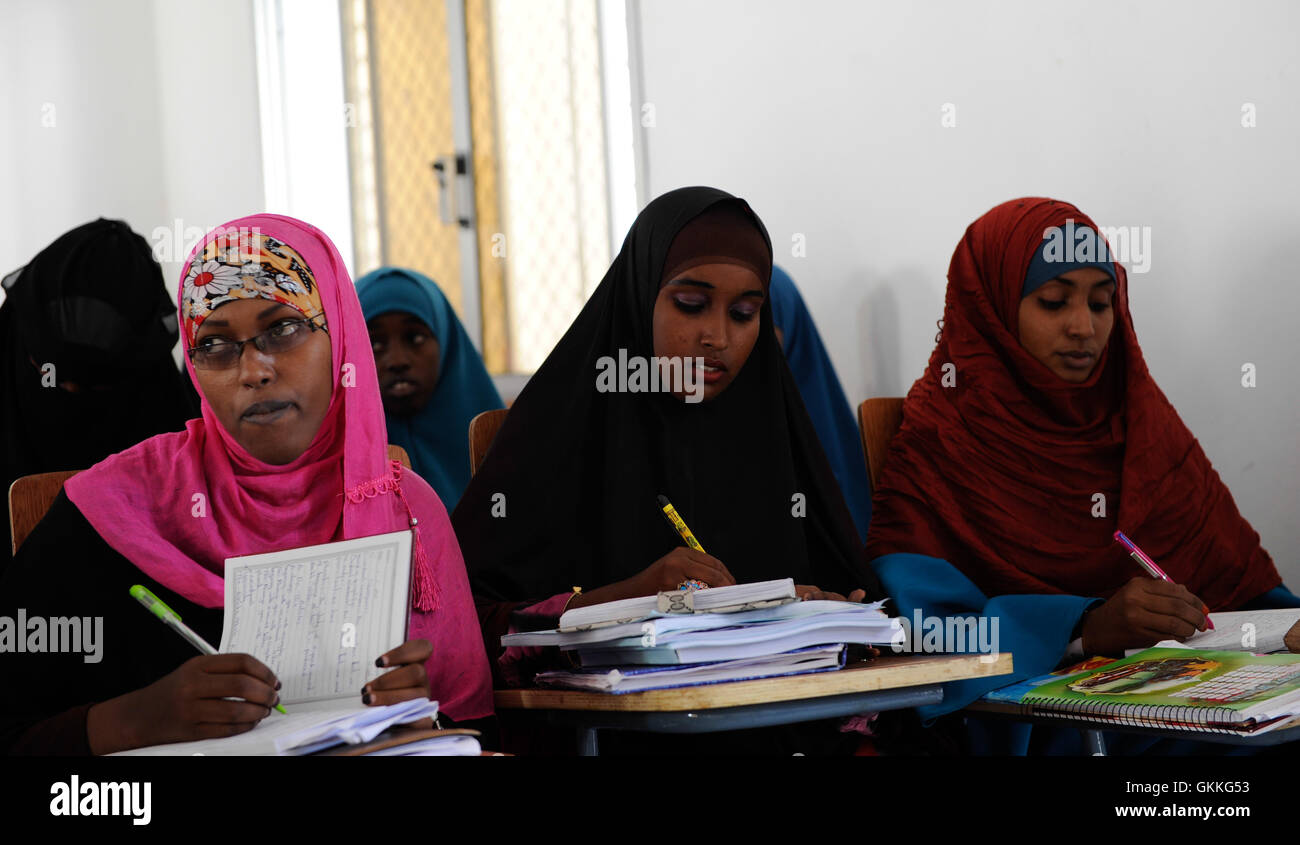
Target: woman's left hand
807, 592
407, 678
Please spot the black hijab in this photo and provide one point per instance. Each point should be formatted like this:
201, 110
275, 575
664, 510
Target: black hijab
92, 304
580, 470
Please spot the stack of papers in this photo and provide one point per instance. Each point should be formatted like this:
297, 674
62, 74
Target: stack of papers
302, 731
633, 679
764, 634
438, 746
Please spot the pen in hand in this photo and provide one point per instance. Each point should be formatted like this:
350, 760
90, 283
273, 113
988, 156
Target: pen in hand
172, 620
1144, 560
679, 525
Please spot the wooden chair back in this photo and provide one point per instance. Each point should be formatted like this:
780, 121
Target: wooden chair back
878, 421
482, 431
397, 453
29, 498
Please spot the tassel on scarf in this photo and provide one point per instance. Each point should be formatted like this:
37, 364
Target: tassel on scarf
424, 587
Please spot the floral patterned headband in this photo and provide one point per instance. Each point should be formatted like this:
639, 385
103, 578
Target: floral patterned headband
245, 264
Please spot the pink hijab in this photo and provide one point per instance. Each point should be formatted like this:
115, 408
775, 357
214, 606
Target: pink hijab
177, 505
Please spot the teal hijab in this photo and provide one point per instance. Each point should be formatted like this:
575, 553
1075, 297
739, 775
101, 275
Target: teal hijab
437, 436
823, 396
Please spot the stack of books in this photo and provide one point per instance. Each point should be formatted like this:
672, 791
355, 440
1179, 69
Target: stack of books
687, 638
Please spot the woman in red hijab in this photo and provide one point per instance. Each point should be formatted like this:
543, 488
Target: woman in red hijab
1037, 432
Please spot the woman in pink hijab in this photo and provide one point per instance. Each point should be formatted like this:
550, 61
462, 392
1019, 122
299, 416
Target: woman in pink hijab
290, 451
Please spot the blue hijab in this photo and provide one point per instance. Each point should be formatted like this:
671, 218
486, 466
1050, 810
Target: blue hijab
822, 396
437, 436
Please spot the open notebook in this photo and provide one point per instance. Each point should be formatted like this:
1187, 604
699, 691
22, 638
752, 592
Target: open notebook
1256, 631
318, 616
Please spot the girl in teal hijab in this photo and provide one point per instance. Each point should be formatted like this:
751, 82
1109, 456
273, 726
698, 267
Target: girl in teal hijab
431, 377
823, 396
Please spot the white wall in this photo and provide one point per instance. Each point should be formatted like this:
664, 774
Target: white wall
88, 69
204, 59
826, 115
155, 118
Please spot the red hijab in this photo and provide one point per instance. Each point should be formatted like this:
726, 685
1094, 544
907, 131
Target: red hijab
998, 474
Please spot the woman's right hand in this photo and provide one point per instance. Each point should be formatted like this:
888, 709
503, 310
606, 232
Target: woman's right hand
1143, 612
190, 703
681, 564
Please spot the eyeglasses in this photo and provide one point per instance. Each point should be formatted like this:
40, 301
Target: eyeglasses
221, 354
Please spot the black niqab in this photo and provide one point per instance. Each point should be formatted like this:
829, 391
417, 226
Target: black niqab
93, 305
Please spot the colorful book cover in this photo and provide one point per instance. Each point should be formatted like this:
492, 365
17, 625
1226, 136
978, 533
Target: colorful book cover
1015, 693
1225, 686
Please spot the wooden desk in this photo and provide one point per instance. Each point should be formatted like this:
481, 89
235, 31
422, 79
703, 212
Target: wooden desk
886, 683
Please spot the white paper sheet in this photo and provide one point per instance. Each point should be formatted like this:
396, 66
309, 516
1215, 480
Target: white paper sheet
318, 616
301, 732
1258, 631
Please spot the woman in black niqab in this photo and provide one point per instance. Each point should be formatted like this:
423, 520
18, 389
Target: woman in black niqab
567, 494
86, 368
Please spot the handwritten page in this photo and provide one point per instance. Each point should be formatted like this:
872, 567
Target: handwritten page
1258, 631
318, 616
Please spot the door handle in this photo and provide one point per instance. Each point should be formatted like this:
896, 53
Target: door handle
454, 201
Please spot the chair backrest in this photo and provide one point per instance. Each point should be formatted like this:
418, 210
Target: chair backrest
482, 431
397, 453
878, 421
30, 497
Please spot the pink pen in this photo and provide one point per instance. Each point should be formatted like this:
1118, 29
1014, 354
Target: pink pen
1144, 560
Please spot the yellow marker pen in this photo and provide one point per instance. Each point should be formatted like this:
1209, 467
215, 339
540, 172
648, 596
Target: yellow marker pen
670, 513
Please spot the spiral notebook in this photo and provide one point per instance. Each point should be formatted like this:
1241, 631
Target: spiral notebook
1216, 691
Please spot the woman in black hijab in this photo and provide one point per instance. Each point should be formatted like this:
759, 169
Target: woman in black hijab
86, 368
566, 497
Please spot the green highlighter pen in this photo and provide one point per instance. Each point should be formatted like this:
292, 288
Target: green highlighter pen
172, 620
